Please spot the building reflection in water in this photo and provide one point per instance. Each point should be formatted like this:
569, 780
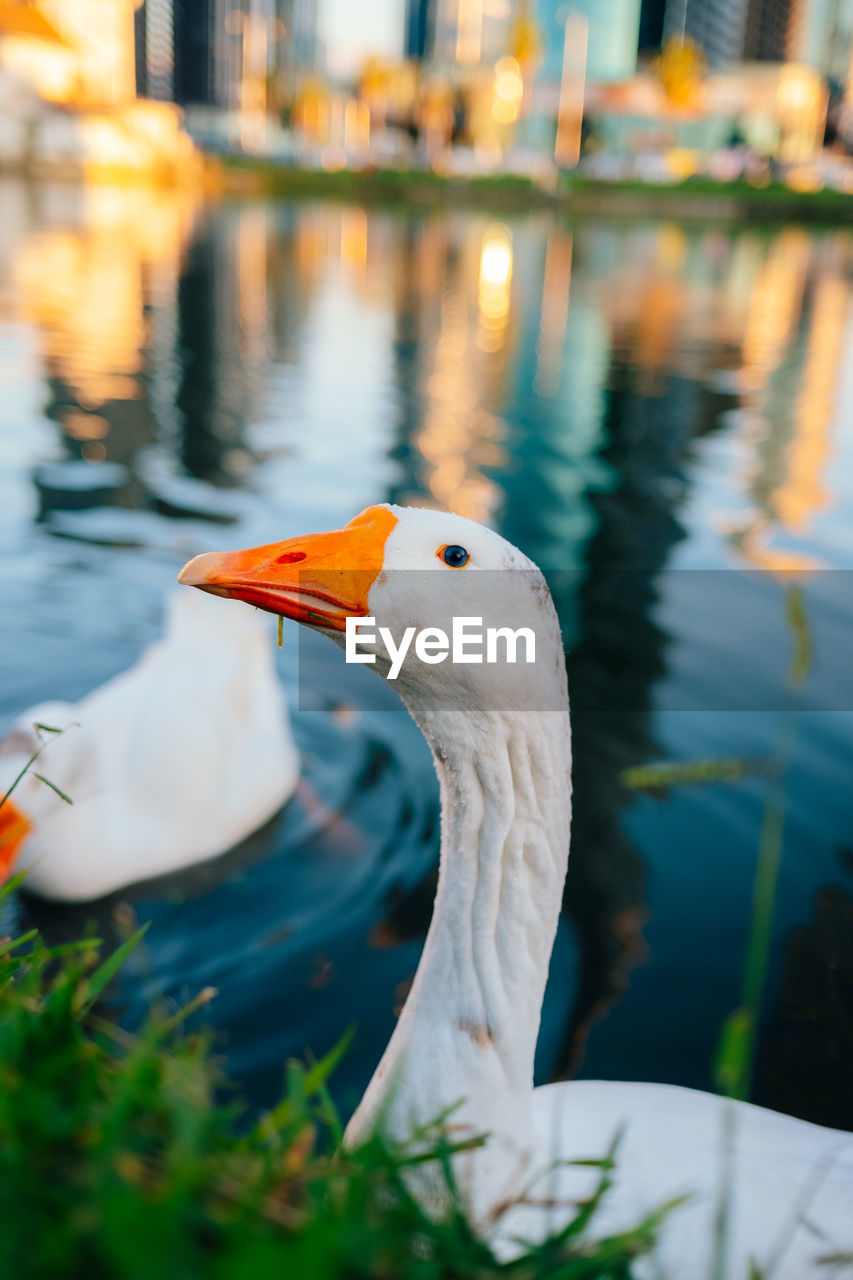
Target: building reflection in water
792, 360
596, 471
224, 340
549, 378
92, 283
556, 287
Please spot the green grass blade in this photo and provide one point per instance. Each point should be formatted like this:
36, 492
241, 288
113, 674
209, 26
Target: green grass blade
47, 782
97, 982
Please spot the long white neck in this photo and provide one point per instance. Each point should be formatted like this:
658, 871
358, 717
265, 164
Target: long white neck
467, 1034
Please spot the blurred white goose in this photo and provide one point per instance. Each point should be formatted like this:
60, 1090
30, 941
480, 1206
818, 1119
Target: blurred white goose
174, 761
501, 741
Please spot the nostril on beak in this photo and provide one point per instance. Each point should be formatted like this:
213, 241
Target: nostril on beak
290, 557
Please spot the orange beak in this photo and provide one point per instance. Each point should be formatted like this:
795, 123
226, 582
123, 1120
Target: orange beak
14, 829
320, 579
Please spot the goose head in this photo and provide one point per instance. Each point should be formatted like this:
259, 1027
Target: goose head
426, 598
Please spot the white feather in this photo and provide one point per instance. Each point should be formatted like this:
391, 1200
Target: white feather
173, 761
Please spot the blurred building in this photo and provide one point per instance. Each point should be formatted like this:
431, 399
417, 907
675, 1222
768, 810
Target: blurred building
193, 30
419, 37
612, 41
821, 36
155, 50
34, 51
72, 51
717, 26
204, 52
817, 33
75, 110
475, 32
463, 33
767, 31
652, 13
299, 18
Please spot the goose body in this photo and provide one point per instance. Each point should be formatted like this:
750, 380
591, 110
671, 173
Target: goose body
787, 1185
143, 759
465, 1040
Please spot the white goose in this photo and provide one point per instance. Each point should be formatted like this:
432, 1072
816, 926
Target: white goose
143, 758
501, 740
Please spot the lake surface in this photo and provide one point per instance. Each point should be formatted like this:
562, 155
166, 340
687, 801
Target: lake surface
661, 415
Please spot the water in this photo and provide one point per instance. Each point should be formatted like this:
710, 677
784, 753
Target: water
659, 414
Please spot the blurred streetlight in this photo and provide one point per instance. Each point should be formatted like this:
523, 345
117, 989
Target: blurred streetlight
567, 149
801, 102
680, 69
356, 125
496, 259
494, 287
508, 91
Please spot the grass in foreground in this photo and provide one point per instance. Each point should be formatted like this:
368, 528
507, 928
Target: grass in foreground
117, 1159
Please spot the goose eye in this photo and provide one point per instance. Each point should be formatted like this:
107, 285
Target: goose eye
453, 556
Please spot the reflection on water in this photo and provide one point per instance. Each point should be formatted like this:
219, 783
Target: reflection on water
89, 286
629, 398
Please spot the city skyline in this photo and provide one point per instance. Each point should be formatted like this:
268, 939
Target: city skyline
317, 79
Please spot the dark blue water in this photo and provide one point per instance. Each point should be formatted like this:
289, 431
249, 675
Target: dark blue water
659, 414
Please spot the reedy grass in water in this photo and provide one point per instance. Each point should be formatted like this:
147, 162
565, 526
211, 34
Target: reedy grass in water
734, 1063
